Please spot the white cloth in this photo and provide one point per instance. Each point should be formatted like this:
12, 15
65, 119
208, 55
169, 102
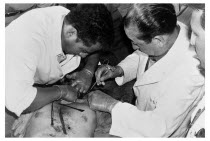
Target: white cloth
165, 93
33, 53
200, 122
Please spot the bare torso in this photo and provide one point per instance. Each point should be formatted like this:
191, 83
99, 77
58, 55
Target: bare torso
76, 123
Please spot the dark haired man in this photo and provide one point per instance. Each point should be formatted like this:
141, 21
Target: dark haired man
167, 79
45, 44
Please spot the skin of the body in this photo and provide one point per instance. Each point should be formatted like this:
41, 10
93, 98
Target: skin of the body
198, 36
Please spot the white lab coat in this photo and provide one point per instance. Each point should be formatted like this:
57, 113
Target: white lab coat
165, 93
34, 55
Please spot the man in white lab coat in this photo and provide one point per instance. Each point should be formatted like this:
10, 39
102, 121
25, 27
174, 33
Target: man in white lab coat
45, 44
167, 79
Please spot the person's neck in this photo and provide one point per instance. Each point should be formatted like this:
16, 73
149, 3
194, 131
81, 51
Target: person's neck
170, 42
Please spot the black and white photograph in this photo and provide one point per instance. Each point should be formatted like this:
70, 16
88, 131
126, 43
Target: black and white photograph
104, 70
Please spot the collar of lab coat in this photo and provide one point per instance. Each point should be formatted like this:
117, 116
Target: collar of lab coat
67, 62
175, 56
57, 34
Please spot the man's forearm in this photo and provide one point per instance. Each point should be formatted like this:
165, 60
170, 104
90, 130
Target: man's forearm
43, 97
92, 62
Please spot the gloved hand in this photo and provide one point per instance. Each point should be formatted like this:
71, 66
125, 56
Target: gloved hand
67, 93
101, 101
81, 80
105, 72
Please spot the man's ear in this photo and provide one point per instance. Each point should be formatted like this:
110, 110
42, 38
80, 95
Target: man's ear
159, 40
71, 31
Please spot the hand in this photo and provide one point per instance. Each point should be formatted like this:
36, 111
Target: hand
68, 93
105, 72
20, 125
101, 101
81, 80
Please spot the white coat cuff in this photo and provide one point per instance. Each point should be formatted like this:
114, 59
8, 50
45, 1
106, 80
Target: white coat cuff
117, 112
127, 74
22, 103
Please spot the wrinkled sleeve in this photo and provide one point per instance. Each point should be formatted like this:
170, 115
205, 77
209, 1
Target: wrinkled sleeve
22, 53
129, 66
175, 103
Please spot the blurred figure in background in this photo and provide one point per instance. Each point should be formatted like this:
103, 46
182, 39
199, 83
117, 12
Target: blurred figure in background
197, 125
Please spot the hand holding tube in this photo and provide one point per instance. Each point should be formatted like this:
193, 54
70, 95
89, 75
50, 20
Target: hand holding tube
105, 72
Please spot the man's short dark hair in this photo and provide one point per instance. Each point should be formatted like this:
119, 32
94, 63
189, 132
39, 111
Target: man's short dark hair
93, 23
199, 6
152, 20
